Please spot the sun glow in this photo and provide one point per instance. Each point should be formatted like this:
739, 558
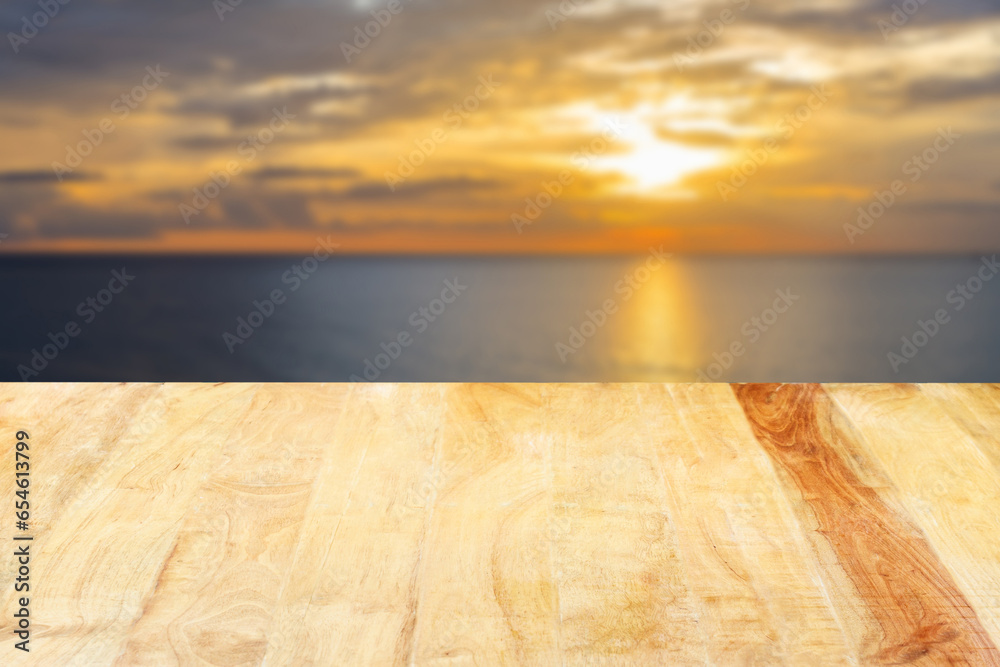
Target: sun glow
651, 164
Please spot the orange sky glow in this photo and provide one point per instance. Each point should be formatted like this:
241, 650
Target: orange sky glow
743, 126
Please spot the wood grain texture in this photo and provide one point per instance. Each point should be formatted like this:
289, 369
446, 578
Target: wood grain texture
474, 524
754, 574
920, 613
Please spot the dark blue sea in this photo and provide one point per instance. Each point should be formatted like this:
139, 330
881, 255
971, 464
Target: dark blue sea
501, 319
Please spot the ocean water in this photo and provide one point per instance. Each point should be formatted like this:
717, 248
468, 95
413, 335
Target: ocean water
502, 319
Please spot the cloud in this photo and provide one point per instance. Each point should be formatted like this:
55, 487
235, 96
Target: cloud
43, 177
227, 143
938, 90
695, 137
414, 189
608, 56
283, 173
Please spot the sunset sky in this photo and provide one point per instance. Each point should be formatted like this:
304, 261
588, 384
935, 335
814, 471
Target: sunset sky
826, 102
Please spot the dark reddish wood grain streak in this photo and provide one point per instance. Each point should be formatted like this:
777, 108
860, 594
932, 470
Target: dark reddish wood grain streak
922, 614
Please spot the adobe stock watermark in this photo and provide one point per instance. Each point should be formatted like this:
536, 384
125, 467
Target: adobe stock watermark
552, 190
787, 126
294, 278
151, 418
915, 168
453, 118
280, 466
30, 25
421, 494
363, 35
901, 14
248, 150
562, 13
561, 523
705, 38
448, 631
558, 539
122, 107
223, 7
958, 299
87, 309
752, 331
420, 320
626, 288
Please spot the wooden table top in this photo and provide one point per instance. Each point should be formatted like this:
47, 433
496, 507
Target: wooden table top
532, 524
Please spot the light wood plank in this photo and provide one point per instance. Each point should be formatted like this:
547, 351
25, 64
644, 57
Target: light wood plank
624, 592
217, 596
352, 595
485, 599
976, 408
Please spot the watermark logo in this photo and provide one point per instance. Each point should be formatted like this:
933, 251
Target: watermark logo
248, 150
752, 331
958, 299
87, 309
294, 277
363, 35
787, 127
705, 38
31, 25
901, 15
454, 118
552, 190
626, 289
421, 320
915, 168
123, 106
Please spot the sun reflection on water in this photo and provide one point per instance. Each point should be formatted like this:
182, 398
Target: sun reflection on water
658, 331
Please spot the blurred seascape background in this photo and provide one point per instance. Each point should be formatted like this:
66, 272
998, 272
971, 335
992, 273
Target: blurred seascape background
744, 190
842, 319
